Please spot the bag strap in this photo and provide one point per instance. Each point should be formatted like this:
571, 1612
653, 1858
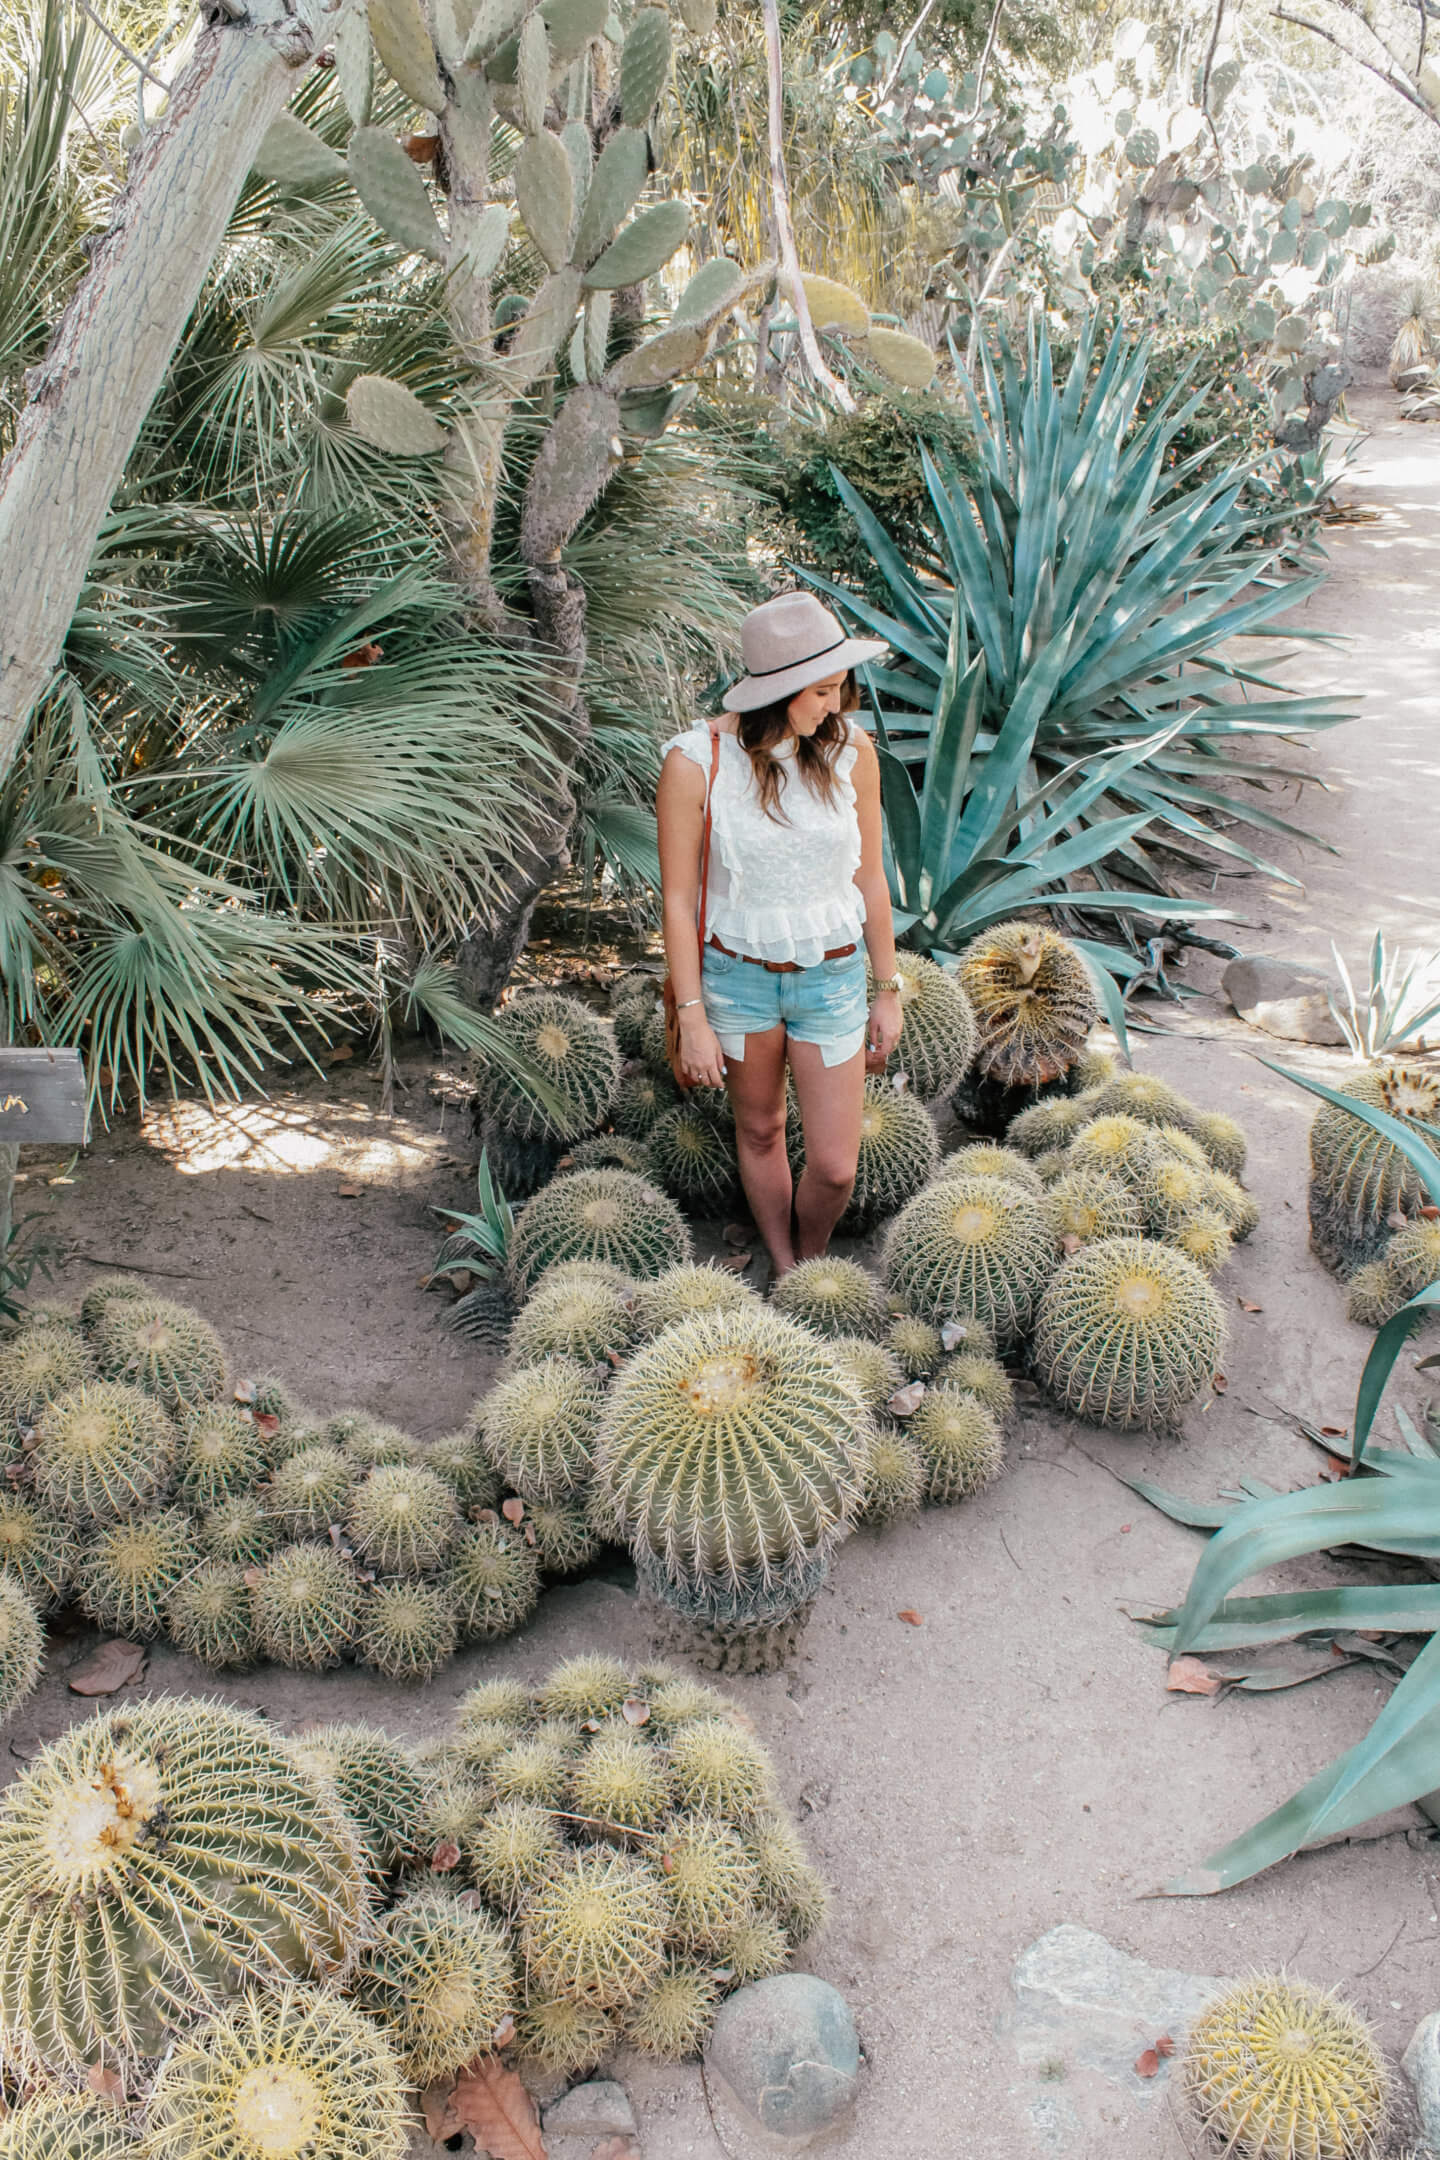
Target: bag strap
705, 843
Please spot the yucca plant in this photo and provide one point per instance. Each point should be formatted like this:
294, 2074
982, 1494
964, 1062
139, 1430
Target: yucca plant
1100, 580
1388, 1502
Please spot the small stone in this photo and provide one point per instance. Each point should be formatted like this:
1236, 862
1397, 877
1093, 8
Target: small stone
1421, 2064
598, 2109
785, 2052
1283, 997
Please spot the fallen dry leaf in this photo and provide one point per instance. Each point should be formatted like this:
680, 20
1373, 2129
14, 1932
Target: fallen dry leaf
907, 1400
1219, 1382
349, 1192
504, 2032
1164, 2047
1187, 1676
911, 1617
1335, 1469
1248, 1305
445, 1856
1430, 1214
114, 1665
737, 1262
635, 1710
342, 1052
266, 1424
738, 1233
1332, 1432
106, 2084
363, 656
440, 2118
253, 1577
513, 1510
245, 1391
492, 2103
1147, 2064
955, 1332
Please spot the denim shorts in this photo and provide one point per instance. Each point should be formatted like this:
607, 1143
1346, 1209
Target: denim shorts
825, 1004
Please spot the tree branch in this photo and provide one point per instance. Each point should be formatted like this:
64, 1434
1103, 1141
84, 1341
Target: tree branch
123, 49
905, 44
89, 395
784, 228
1385, 75
1210, 56
985, 54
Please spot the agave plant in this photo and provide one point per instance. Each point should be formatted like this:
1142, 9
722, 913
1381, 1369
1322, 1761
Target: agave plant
1100, 582
1389, 1502
1386, 1019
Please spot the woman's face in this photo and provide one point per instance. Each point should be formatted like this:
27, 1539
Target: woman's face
814, 704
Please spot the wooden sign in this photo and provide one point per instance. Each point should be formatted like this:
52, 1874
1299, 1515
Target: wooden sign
43, 1097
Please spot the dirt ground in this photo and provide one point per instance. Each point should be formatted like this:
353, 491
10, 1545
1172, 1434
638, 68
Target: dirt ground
1015, 1761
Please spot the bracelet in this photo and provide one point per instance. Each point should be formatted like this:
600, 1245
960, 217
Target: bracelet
891, 982
685, 1004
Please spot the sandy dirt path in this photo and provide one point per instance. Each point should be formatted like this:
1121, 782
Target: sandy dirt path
1014, 1762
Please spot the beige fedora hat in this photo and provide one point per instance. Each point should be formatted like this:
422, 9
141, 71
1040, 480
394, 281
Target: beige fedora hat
787, 644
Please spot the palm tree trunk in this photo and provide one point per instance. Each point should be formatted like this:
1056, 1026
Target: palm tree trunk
107, 359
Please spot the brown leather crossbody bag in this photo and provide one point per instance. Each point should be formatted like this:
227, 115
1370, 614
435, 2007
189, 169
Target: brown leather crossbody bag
672, 1011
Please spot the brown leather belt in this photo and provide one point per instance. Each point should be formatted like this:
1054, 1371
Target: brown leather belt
782, 967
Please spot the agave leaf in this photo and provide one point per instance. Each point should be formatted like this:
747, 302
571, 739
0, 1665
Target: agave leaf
1398, 1761
1398, 1514
1242, 1623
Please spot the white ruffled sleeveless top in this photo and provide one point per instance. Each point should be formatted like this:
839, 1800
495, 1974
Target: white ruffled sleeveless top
780, 891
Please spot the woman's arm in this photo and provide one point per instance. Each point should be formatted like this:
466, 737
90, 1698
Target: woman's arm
680, 811
886, 1016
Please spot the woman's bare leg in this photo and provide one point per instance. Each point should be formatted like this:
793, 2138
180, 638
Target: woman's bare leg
757, 1094
832, 1100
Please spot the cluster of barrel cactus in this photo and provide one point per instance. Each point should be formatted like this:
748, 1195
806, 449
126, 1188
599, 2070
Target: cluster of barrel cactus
275, 1932
236, 1522
1088, 1240
730, 1444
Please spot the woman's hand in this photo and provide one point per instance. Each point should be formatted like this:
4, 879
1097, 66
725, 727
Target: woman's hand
886, 1021
701, 1057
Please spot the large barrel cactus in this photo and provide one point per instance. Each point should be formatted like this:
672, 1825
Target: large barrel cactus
972, 1247
608, 1215
1358, 1179
1128, 1333
574, 1052
937, 1041
1033, 1002
155, 1861
288, 2075
732, 1456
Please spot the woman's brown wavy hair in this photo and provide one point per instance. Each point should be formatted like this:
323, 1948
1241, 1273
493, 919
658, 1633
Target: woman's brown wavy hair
815, 755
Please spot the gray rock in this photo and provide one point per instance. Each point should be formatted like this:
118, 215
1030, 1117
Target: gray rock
1421, 2064
1084, 2014
598, 2109
1283, 997
786, 2054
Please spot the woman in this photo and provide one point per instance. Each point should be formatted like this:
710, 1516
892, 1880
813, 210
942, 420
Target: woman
796, 883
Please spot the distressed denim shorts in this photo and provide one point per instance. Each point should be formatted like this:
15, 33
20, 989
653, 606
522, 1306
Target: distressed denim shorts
825, 1005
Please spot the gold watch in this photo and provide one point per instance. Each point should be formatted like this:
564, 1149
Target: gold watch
891, 982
